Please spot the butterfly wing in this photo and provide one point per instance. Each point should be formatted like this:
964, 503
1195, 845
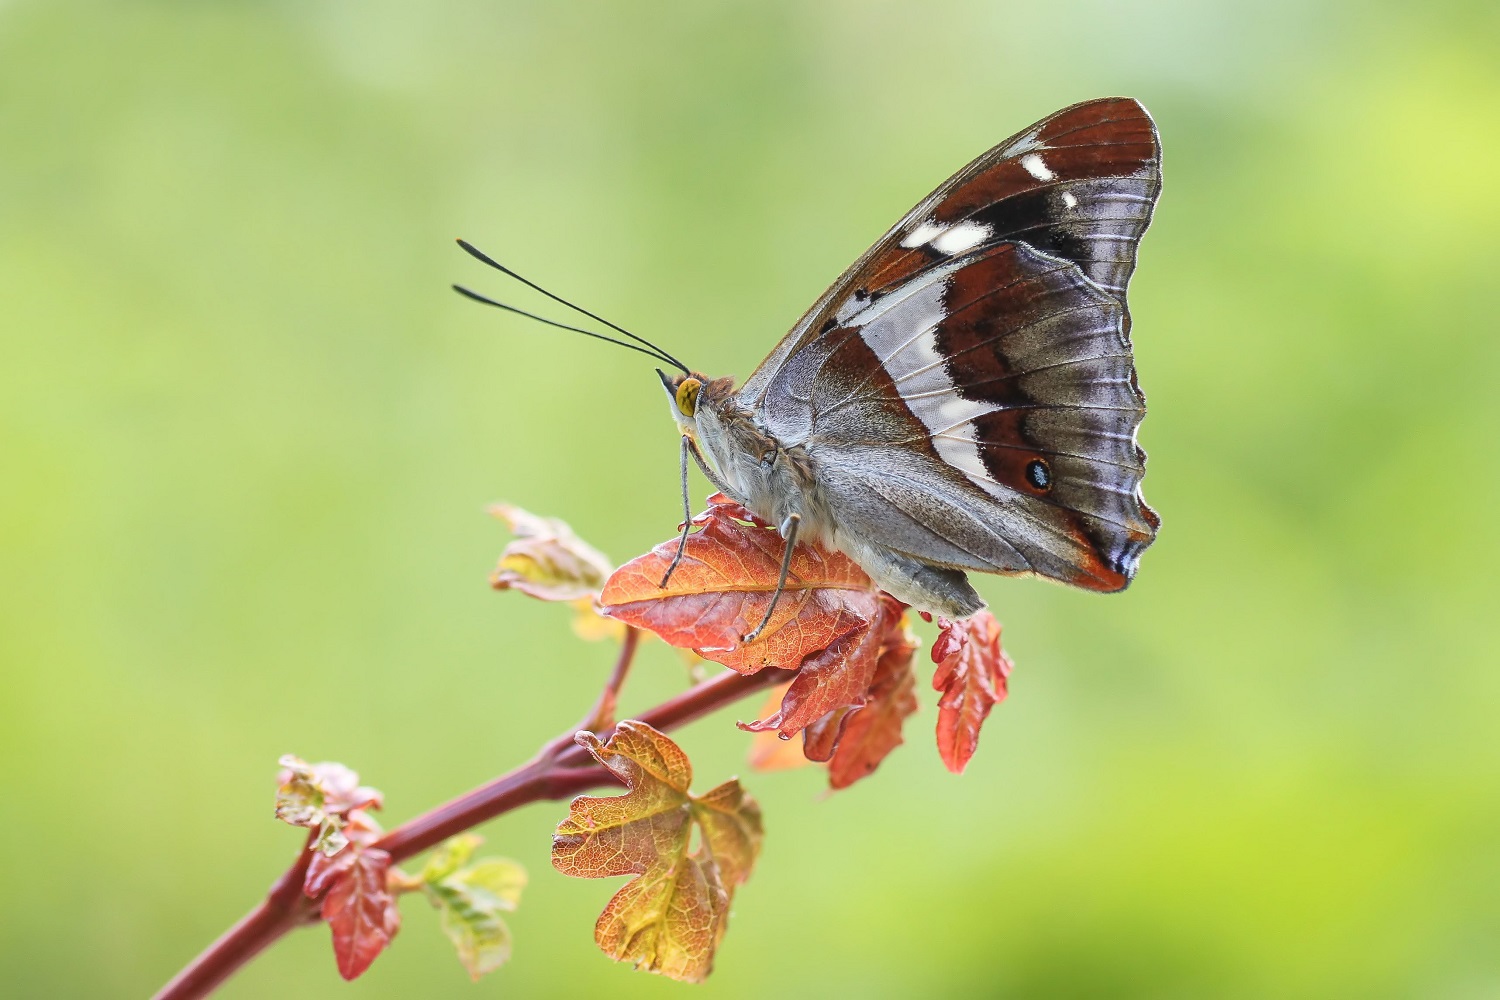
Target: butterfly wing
1080, 185
966, 391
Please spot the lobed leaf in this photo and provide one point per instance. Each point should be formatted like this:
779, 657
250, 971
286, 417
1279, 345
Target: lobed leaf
830, 679
546, 560
973, 675
627, 834
670, 918
827, 623
732, 831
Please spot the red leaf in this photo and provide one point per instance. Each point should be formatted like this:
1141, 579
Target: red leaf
360, 830
830, 679
768, 751
870, 733
360, 910
972, 674
323, 870
827, 624
821, 739
722, 588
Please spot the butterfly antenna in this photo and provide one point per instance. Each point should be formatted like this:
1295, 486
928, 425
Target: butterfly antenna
468, 293
485, 258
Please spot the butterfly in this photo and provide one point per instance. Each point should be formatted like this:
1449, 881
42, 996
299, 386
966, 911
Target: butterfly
964, 397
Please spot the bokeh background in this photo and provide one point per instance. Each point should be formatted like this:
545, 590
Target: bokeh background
247, 436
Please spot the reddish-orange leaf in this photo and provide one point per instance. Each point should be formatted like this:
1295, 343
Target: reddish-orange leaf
768, 751
830, 679
872, 732
670, 918
360, 910
833, 683
821, 738
972, 674
546, 561
722, 588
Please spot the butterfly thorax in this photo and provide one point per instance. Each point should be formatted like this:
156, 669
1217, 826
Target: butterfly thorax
776, 480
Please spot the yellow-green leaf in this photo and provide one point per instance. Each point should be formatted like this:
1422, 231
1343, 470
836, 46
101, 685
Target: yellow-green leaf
627, 834
668, 921
731, 825
451, 855
321, 797
471, 901
299, 797
547, 560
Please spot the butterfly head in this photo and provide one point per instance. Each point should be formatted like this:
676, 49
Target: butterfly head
724, 433
688, 395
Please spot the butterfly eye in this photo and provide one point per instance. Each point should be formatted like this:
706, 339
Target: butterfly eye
687, 396
1038, 475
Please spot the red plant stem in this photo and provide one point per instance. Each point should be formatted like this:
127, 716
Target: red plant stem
283, 908
561, 769
603, 712
534, 781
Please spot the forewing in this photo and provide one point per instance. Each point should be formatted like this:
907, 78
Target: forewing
1079, 185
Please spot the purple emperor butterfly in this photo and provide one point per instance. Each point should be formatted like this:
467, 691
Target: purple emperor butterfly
963, 398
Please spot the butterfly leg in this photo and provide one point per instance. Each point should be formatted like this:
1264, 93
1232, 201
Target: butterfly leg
687, 514
709, 474
789, 532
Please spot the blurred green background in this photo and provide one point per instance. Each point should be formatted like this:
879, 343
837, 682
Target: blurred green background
247, 436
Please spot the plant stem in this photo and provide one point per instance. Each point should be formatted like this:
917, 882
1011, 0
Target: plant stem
558, 775
603, 712
560, 770
283, 908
